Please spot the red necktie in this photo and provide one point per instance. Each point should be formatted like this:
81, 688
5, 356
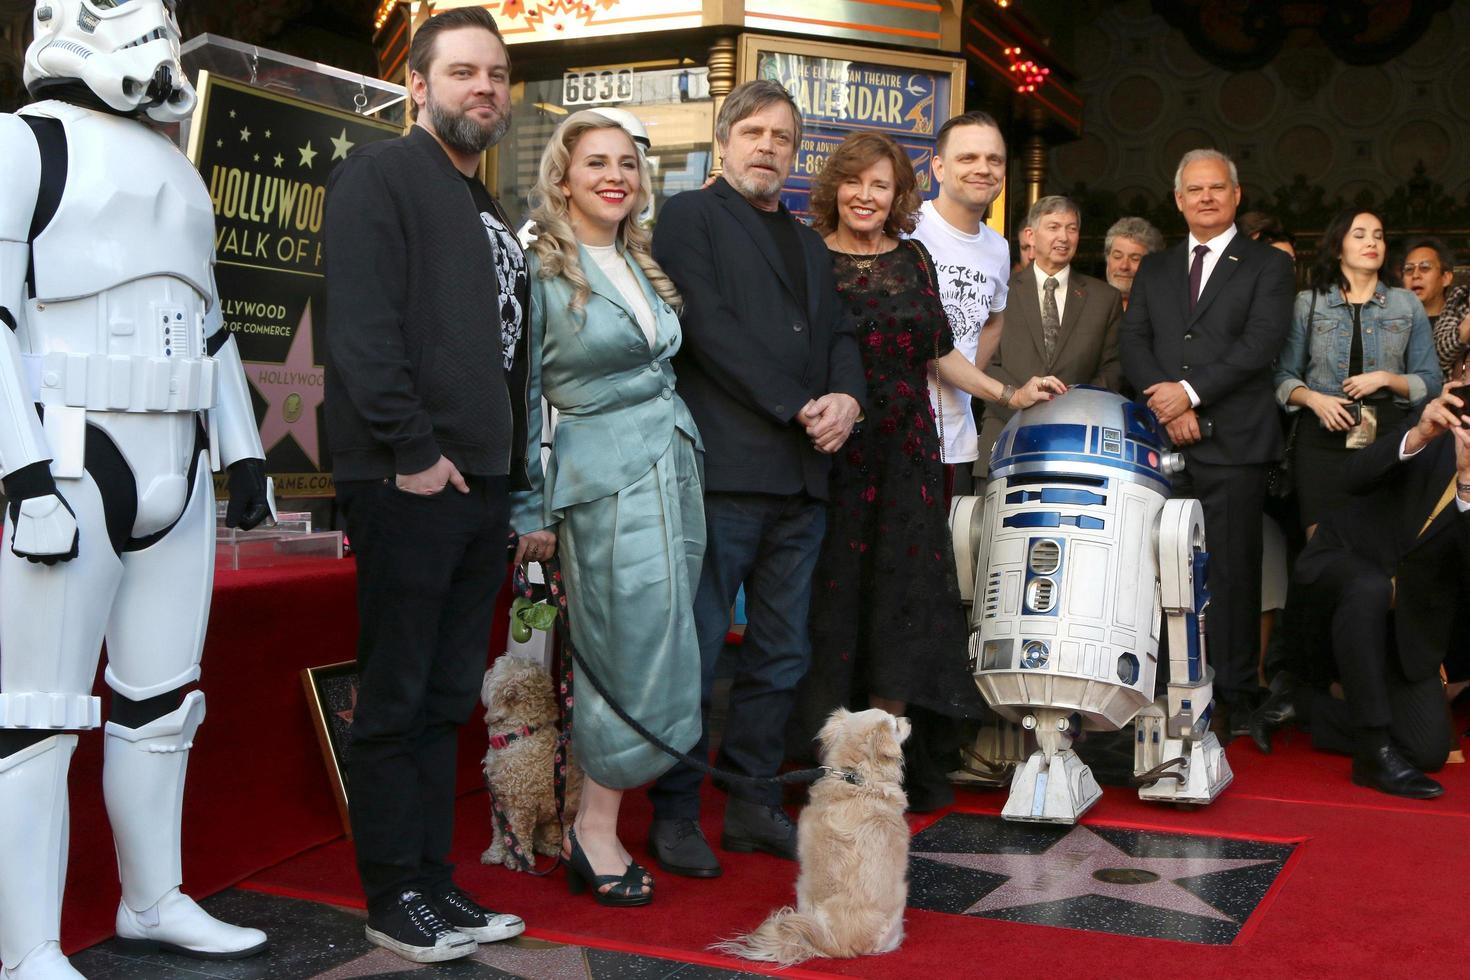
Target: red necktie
1197, 274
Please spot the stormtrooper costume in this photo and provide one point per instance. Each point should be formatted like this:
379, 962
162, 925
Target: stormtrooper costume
119, 388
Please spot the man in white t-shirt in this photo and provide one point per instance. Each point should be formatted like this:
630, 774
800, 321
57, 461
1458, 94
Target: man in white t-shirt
974, 264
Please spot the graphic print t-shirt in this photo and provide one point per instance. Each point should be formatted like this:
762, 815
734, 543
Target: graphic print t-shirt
974, 272
510, 268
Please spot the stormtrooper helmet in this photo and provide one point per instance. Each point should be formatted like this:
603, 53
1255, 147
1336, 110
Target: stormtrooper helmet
125, 51
635, 128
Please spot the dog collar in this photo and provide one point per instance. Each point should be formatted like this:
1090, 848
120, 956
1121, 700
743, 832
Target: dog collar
851, 778
504, 739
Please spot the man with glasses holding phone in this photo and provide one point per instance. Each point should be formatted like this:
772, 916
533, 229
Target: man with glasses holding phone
1429, 273
1380, 582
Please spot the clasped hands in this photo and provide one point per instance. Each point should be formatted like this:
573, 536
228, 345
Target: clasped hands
1169, 400
829, 420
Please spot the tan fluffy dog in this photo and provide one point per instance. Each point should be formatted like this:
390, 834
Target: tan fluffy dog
520, 711
853, 845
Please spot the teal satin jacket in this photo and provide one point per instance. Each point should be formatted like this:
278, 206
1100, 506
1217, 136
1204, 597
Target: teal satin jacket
617, 410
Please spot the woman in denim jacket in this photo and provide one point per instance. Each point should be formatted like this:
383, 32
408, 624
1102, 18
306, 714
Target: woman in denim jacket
1359, 355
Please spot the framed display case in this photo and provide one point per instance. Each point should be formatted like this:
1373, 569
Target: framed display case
331, 697
673, 103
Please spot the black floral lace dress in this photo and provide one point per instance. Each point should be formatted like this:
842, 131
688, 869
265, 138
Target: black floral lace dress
886, 615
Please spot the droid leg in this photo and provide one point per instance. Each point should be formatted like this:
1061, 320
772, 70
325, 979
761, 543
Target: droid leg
1054, 786
1176, 756
154, 641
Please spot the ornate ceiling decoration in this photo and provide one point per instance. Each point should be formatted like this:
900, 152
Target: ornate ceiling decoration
1245, 34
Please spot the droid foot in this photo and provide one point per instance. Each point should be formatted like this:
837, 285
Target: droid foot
1055, 790
178, 925
1200, 772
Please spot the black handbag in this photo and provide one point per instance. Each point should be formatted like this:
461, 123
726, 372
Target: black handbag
1280, 481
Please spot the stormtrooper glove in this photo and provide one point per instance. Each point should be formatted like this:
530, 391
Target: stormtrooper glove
43, 525
249, 503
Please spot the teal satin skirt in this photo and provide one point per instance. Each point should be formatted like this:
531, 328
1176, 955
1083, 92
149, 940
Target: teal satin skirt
631, 564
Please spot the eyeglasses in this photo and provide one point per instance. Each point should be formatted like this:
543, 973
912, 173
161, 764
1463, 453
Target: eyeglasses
1425, 267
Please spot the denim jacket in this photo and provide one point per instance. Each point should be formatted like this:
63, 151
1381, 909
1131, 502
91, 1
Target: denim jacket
1396, 338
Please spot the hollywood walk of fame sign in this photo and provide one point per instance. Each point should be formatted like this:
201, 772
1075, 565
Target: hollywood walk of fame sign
1186, 887
266, 158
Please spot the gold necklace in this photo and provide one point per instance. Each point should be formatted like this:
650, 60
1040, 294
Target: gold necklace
864, 266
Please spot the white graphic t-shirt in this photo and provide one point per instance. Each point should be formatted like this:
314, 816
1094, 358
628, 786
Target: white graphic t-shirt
510, 268
974, 272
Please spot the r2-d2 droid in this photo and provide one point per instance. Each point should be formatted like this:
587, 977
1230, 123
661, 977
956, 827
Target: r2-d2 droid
1078, 549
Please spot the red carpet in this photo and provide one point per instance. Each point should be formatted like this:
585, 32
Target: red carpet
1375, 890
258, 789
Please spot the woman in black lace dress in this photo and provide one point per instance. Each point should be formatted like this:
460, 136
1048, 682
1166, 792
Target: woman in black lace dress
888, 627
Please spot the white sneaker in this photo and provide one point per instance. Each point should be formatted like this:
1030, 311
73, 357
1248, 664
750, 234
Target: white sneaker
418, 933
45, 962
473, 919
178, 925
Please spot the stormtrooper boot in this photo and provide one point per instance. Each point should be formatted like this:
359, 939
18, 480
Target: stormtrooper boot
143, 783
33, 836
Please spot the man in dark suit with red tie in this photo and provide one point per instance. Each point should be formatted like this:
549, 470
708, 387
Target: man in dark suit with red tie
1204, 323
1376, 592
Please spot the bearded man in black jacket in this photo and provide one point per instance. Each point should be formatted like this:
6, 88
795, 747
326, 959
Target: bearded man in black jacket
426, 397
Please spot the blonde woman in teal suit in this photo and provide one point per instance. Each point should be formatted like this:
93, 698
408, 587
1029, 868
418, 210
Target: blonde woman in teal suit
622, 495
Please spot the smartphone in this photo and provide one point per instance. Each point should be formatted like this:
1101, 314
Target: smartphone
1462, 392
1355, 412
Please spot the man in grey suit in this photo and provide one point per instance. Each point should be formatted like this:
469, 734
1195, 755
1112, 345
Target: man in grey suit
1059, 321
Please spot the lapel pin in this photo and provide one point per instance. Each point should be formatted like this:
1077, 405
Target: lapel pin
1233, 258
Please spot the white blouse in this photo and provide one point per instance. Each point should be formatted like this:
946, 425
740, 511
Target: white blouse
615, 266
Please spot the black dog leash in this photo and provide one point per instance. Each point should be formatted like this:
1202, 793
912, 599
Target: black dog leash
557, 595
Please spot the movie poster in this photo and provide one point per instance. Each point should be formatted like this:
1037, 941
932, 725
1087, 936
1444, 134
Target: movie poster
266, 158
838, 96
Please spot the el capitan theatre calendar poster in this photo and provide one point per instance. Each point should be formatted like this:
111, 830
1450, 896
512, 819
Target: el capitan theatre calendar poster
843, 88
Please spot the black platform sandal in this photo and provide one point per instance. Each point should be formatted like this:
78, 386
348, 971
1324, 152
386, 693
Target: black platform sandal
626, 889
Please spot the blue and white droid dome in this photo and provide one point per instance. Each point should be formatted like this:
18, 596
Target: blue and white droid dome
1087, 431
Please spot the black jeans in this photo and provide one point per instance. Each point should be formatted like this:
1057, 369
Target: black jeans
770, 544
428, 570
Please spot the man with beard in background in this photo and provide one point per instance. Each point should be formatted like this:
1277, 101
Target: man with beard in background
426, 397
1126, 243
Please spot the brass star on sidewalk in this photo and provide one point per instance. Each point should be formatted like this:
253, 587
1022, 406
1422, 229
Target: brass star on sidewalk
1083, 863
307, 154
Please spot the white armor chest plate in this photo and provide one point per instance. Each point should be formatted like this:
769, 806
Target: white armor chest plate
123, 274
134, 207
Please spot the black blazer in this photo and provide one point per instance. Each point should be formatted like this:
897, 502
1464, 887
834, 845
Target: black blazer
1382, 524
1225, 350
414, 358
752, 354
